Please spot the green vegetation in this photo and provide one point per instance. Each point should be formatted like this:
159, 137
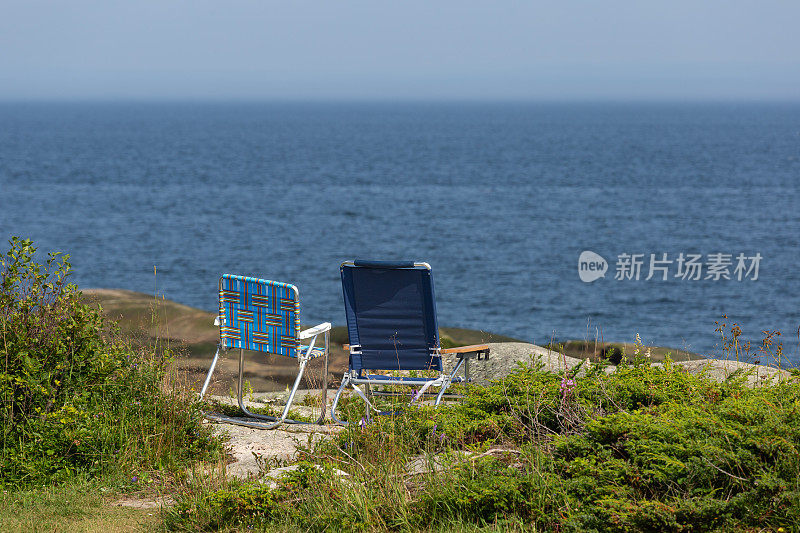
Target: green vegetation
80, 506
78, 405
87, 417
643, 449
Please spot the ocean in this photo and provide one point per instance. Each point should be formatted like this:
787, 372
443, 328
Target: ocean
501, 200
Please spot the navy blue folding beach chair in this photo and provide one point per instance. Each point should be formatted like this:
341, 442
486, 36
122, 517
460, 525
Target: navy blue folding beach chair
391, 324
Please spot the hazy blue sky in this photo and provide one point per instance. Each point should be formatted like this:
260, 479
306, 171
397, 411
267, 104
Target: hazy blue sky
446, 49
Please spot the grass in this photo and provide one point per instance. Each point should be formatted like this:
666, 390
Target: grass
78, 506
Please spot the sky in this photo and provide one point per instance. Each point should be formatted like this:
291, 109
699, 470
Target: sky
400, 50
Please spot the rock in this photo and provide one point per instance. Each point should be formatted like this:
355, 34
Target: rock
720, 370
425, 463
504, 358
145, 503
231, 400
252, 449
271, 478
275, 400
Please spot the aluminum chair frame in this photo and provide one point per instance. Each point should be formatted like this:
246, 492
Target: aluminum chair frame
353, 377
304, 354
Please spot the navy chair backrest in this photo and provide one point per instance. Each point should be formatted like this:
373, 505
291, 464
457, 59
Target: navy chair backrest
391, 315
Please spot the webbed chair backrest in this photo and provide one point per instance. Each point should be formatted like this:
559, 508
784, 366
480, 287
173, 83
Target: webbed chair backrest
391, 315
259, 315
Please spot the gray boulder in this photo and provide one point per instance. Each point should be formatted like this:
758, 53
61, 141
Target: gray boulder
720, 370
504, 358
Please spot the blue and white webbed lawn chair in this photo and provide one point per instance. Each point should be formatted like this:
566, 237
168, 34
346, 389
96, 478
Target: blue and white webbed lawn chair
264, 316
391, 324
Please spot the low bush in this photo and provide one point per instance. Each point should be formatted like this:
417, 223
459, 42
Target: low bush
76, 402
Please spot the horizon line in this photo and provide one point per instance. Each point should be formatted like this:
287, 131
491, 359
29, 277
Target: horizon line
406, 100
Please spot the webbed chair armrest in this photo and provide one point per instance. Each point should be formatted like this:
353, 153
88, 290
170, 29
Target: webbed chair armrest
316, 330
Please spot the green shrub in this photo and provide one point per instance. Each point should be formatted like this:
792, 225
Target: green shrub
676, 467
74, 402
488, 490
244, 504
644, 448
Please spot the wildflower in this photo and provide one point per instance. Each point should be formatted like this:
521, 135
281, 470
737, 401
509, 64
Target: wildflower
135, 479
362, 424
567, 384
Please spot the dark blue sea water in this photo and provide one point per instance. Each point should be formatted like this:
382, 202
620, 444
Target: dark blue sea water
500, 199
